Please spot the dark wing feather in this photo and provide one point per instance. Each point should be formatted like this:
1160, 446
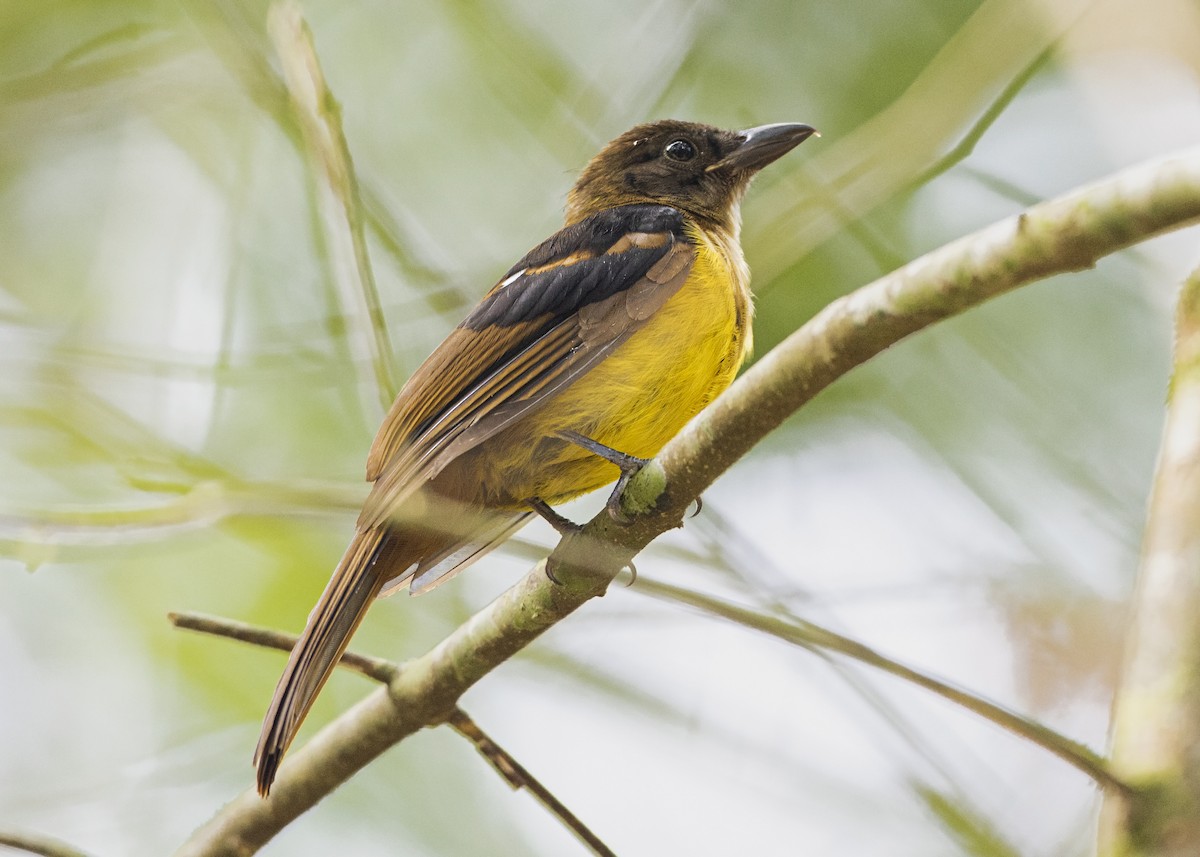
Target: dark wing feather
554, 316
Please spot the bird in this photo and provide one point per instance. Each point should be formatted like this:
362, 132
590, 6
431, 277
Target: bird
579, 364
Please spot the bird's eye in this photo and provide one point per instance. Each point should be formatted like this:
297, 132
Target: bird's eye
680, 150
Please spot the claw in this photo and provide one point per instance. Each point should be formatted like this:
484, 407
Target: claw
633, 574
614, 501
699, 506
563, 525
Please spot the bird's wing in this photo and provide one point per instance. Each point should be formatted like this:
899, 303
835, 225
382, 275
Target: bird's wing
554, 316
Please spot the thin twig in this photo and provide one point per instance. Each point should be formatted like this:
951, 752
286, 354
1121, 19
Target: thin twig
877, 160
759, 576
36, 844
966, 146
811, 636
854, 221
379, 669
520, 778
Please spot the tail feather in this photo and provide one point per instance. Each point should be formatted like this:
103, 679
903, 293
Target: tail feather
341, 608
379, 560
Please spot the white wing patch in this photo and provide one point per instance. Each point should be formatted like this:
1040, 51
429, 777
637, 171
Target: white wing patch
511, 280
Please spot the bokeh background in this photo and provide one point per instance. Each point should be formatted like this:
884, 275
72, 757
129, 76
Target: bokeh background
185, 410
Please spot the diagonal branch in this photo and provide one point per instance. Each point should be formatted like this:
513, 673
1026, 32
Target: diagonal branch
1069, 233
519, 777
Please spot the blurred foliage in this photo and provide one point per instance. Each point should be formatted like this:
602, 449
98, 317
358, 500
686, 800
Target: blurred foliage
182, 417
973, 834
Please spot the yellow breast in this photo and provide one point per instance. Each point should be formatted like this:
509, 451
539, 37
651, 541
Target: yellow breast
641, 395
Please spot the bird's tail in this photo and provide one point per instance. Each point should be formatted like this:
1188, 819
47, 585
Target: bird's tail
360, 575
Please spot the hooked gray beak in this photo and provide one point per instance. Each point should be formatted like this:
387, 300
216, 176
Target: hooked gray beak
764, 144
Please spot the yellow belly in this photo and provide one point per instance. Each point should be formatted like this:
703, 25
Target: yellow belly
635, 400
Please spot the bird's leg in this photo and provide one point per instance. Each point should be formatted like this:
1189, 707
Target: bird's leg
629, 465
563, 525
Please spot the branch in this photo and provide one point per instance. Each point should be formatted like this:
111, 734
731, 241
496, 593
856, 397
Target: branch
1156, 718
519, 777
379, 669
1067, 234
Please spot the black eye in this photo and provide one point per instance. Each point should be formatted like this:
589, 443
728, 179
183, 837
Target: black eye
680, 150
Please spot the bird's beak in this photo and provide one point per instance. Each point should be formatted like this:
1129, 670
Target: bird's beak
764, 144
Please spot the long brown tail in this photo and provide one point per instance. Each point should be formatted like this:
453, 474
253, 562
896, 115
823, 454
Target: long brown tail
367, 563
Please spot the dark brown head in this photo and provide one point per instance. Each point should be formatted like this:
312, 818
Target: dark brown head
700, 170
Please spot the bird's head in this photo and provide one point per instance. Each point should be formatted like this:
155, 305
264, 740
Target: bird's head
700, 170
